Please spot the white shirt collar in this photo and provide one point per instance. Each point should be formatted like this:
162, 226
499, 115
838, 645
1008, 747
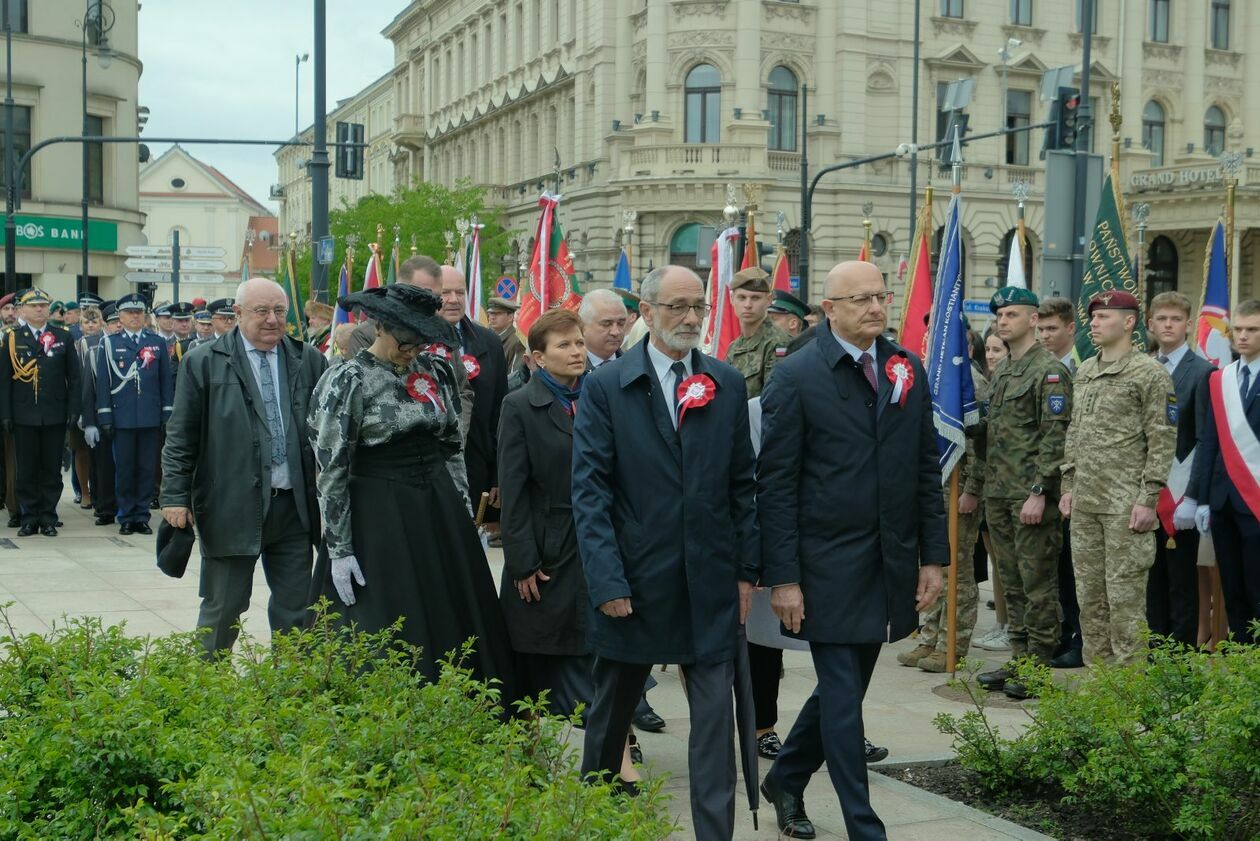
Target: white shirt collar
1174, 358
1253, 366
855, 351
250, 346
662, 363
596, 361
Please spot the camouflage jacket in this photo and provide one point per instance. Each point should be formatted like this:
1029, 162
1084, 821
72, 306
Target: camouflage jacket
971, 468
755, 356
364, 401
1029, 406
1123, 435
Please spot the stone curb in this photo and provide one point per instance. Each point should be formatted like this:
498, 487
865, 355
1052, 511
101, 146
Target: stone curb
947, 808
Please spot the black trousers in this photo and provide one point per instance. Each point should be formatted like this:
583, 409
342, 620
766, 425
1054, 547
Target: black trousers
1070, 634
135, 460
765, 667
226, 583
39, 471
1236, 538
829, 729
710, 746
1172, 587
104, 499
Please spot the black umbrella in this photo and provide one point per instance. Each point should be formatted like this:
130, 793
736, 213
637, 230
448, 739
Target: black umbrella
746, 724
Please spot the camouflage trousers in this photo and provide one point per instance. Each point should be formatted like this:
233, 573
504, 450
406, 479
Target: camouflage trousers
1112, 565
936, 620
1028, 562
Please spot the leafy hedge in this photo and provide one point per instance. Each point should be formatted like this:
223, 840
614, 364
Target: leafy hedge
1171, 746
316, 736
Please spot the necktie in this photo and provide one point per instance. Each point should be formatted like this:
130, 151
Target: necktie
679, 371
1245, 388
275, 423
868, 368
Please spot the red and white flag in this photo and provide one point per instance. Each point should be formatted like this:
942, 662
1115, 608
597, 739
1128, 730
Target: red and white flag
723, 325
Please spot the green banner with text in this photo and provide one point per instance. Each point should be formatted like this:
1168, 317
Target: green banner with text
60, 232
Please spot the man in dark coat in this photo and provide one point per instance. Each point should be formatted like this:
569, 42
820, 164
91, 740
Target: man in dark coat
238, 464
39, 400
663, 493
853, 531
481, 353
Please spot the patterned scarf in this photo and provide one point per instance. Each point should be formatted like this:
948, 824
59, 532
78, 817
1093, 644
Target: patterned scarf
565, 396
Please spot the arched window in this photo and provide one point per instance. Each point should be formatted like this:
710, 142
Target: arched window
1161, 268
683, 245
704, 104
1153, 131
1004, 258
1214, 131
783, 109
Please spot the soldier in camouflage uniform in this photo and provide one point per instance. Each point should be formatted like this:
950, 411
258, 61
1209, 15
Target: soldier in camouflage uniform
1119, 448
760, 343
1029, 407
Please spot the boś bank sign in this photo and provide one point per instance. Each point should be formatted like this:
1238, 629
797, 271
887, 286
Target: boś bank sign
63, 233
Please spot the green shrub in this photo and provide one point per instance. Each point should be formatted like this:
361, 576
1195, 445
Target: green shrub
1172, 743
316, 736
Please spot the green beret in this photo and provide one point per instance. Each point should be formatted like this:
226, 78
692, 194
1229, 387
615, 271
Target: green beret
71, 305
789, 304
1013, 296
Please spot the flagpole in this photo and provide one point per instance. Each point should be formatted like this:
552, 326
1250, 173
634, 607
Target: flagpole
951, 604
1231, 163
629, 217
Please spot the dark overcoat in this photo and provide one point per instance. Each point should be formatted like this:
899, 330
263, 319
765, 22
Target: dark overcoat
57, 400
664, 518
217, 457
489, 387
535, 481
849, 491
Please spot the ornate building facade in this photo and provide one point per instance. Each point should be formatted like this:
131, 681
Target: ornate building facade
656, 105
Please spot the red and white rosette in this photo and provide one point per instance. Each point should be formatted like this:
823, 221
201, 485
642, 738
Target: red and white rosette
423, 389
147, 355
471, 366
694, 392
901, 375
439, 350
46, 339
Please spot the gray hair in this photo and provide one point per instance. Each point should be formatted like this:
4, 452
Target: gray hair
595, 299
650, 288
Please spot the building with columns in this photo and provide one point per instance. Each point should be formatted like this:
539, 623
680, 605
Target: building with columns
656, 105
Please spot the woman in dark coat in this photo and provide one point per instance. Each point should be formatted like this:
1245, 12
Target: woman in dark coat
393, 494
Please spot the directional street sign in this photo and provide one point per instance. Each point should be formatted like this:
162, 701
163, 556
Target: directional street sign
200, 278
148, 251
203, 265
201, 251
163, 264
184, 251
165, 277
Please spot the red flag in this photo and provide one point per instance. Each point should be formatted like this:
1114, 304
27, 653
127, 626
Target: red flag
550, 270
781, 274
913, 333
751, 257
722, 327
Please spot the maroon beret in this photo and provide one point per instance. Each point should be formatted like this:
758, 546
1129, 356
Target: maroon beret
1114, 300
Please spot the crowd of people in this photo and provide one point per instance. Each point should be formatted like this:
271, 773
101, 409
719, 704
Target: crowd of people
656, 505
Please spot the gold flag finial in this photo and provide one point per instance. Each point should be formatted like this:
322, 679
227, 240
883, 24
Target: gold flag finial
1116, 119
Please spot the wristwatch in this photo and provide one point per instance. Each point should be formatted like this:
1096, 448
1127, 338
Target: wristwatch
1037, 490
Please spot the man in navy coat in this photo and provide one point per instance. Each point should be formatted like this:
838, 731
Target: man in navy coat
663, 493
853, 531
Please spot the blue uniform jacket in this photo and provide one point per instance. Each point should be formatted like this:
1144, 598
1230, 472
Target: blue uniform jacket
135, 384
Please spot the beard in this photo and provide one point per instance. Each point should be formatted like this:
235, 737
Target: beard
680, 339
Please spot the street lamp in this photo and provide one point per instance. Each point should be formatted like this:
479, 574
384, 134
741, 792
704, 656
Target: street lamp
297, 108
98, 17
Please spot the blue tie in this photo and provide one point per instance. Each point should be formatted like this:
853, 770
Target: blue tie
1245, 388
275, 423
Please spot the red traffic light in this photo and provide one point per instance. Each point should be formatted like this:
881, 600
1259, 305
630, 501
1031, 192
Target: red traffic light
1072, 102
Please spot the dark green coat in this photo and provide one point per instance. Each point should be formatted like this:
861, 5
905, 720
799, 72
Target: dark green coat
216, 461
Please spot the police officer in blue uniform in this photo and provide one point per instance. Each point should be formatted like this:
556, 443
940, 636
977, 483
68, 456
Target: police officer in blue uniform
135, 393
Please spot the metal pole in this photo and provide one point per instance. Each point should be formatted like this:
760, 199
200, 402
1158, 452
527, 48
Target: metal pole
10, 177
83, 278
914, 122
319, 156
1084, 127
175, 265
297, 101
802, 260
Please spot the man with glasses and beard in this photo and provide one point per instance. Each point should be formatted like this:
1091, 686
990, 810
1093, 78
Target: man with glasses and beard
663, 501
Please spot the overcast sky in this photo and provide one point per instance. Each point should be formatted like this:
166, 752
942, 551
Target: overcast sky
225, 69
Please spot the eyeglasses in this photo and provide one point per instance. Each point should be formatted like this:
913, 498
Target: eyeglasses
866, 300
681, 310
263, 312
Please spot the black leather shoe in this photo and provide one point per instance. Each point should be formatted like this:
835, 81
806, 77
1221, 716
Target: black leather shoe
875, 754
141, 528
48, 531
14, 522
104, 520
789, 811
27, 530
649, 722
994, 680
1070, 659
1018, 690
126, 528
59, 524
629, 788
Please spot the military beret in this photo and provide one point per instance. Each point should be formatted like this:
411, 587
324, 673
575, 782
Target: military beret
1114, 300
71, 305
199, 303
7, 300
752, 278
502, 304
34, 296
789, 304
1013, 296
134, 302
223, 306
57, 306
181, 312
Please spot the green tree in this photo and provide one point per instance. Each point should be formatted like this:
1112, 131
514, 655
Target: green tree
426, 210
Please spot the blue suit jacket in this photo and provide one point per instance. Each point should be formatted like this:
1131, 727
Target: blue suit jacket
144, 402
664, 518
1209, 483
849, 492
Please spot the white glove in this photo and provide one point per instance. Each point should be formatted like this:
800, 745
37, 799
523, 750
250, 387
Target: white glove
342, 570
92, 435
1203, 518
1183, 517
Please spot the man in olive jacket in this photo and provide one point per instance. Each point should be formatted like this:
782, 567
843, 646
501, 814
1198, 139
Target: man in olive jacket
238, 464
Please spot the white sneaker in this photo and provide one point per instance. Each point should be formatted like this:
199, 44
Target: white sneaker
995, 640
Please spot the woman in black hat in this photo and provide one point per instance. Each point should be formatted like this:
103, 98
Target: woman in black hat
399, 539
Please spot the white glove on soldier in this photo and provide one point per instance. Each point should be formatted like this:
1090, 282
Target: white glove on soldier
1183, 517
1203, 518
342, 571
92, 435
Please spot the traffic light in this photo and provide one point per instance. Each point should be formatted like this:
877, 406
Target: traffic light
349, 154
1063, 113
